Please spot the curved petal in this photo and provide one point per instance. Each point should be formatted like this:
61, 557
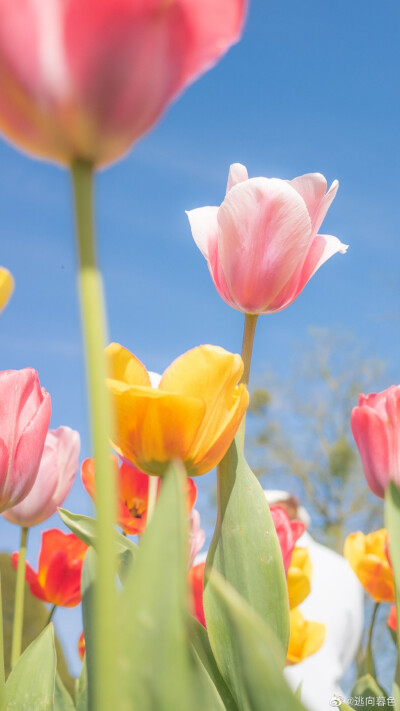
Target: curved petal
63, 580
376, 577
152, 427
124, 366
299, 586
6, 287
237, 174
393, 412
371, 437
68, 444
191, 494
354, 548
265, 230
204, 225
312, 188
306, 637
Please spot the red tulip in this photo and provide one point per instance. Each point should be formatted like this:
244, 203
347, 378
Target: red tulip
261, 244
133, 490
288, 533
196, 582
392, 619
58, 579
87, 78
58, 466
375, 424
25, 410
81, 646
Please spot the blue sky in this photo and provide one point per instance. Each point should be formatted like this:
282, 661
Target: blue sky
312, 86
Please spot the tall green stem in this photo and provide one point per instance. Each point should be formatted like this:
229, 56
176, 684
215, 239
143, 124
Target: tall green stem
2, 672
50, 617
19, 601
250, 322
392, 522
369, 657
94, 330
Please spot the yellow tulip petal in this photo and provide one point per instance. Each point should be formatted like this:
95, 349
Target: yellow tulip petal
152, 427
6, 286
376, 577
301, 559
124, 366
354, 548
299, 586
213, 445
306, 637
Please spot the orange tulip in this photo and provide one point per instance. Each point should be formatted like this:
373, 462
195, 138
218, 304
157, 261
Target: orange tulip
299, 577
392, 619
193, 415
196, 583
133, 492
81, 646
367, 556
58, 579
305, 639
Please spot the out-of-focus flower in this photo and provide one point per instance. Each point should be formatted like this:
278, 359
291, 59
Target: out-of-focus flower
305, 639
299, 577
392, 619
6, 287
58, 579
85, 79
193, 415
261, 244
133, 492
288, 532
197, 536
81, 646
367, 556
25, 410
58, 466
196, 582
375, 424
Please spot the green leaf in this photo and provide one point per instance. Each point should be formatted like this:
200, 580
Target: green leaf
88, 581
84, 528
204, 693
367, 686
81, 691
245, 550
201, 644
32, 681
255, 677
62, 699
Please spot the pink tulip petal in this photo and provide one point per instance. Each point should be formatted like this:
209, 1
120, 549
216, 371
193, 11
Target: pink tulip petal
68, 445
204, 226
312, 188
265, 230
371, 437
393, 425
237, 174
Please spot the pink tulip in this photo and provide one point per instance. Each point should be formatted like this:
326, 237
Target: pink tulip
87, 78
25, 410
197, 536
261, 244
288, 533
58, 466
375, 424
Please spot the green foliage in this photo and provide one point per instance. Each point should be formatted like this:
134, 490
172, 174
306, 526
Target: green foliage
35, 618
62, 699
245, 550
366, 686
31, 684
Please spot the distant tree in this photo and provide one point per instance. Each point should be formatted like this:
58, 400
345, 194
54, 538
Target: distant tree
302, 438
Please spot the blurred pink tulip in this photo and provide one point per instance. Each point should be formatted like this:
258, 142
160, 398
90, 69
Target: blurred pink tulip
25, 410
288, 533
261, 244
375, 424
87, 78
197, 536
58, 466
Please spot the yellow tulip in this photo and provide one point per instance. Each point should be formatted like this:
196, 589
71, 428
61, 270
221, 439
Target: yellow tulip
6, 287
299, 577
367, 556
305, 639
193, 415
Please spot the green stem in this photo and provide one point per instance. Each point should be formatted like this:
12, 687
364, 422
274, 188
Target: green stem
392, 522
368, 654
19, 601
152, 498
250, 322
2, 672
104, 695
50, 617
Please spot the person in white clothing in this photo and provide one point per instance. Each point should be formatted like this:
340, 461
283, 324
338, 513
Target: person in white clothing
337, 600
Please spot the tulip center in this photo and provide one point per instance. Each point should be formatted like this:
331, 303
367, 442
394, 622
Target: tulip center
136, 508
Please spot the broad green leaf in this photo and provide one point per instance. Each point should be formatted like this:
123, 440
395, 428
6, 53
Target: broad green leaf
88, 580
366, 686
62, 699
84, 528
245, 550
201, 644
255, 676
32, 681
154, 660
345, 707
204, 693
81, 690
